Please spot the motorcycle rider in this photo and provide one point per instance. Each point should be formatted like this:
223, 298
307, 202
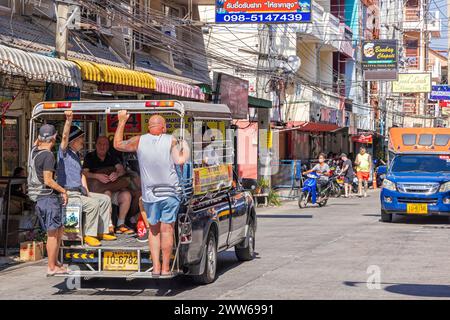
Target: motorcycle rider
323, 170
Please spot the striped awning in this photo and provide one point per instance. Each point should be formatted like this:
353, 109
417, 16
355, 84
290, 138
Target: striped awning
179, 89
38, 67
98, 72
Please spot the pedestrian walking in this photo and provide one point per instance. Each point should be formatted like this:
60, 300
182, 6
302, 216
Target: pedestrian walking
347, 171
363, 167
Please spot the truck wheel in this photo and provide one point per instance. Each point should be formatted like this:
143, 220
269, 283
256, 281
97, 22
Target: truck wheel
247, 253
209, 274
386, 217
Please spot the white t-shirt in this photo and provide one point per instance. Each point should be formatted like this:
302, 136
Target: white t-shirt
210, 156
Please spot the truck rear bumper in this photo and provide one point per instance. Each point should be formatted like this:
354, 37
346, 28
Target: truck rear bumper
115, 274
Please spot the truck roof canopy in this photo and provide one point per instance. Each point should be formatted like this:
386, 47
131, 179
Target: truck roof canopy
191, 108
419, 140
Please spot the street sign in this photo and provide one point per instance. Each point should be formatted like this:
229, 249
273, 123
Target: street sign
263, 11
380, 75
379, 54
440, 92
412, 83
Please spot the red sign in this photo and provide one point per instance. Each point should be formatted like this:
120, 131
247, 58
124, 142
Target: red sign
134, 124
444, 103
362, 139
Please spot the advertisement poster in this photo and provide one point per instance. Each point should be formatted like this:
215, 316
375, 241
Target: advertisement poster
263, 11
233, 92
9, 132
72, 224
412, 83
440, 92
379, 54
208, 179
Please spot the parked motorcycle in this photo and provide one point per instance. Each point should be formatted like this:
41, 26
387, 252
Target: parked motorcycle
309, 194
336, 182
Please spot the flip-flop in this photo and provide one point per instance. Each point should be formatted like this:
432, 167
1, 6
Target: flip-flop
51, 274
167, 275
156, 274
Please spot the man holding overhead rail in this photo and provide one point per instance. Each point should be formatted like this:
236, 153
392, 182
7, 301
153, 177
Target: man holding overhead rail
157, 153
96, 207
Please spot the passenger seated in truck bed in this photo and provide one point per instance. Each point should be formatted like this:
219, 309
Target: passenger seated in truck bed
105, 174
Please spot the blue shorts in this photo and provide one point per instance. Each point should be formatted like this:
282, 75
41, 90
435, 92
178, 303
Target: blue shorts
50, 213
164, 211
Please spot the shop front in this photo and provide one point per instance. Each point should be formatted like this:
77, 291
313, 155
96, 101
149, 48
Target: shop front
323, 130
25, 79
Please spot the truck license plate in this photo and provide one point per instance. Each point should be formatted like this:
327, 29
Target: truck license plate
417, 208
120, 261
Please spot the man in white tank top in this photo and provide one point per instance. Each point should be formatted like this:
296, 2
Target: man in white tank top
158, 153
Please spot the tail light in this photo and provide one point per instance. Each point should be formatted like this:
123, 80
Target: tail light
57, 105
154, 104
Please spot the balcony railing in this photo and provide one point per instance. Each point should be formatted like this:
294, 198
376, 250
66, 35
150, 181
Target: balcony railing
412, 14
414, 19
324, 26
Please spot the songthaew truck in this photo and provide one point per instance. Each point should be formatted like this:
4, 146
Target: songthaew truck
418, 176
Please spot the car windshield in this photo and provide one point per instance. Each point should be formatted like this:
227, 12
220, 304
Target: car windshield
421, 163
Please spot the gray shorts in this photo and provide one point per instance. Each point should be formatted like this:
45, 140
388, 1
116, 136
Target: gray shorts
49, 211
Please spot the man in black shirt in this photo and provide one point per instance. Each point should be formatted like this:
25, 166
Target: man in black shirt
48, 194
349, 175
96, 165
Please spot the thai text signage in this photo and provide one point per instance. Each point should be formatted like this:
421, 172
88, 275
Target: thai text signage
412, 83
208, 179
379, 54
263, 11
440, 92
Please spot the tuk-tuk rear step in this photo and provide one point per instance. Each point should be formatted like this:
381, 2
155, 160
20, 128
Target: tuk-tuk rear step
115, 274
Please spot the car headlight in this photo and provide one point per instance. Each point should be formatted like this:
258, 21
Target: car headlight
389, 185
445, 187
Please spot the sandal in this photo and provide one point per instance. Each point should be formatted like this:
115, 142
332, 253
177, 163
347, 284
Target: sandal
57, 271
167, 274
156, 274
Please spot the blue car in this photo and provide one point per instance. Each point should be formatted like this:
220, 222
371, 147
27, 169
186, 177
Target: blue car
416, 184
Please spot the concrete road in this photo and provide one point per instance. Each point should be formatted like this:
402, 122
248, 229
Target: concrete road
341, 251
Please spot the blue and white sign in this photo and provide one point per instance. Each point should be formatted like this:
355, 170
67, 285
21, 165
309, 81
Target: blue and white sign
263, 11
440, 92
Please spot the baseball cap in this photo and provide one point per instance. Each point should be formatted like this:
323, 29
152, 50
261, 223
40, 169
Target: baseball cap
75, 132
343, 155
47, 131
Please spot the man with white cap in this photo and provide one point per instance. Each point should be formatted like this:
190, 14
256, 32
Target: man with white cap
96, 207
48, 195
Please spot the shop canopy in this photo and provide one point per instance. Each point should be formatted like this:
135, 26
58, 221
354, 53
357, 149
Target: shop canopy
363, 138
313, 126
255, 102
98, 72
179, 89
38, 67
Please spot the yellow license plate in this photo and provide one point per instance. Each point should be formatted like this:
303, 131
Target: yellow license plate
417, 208
120, 261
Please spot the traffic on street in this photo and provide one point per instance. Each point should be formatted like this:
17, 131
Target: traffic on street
218, 157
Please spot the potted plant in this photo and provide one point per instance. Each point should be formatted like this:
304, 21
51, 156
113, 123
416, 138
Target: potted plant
263, 186
273, 199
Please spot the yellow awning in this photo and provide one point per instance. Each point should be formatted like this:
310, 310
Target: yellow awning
97, 72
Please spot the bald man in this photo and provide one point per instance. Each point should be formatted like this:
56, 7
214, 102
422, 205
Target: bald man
94, 166
158, 153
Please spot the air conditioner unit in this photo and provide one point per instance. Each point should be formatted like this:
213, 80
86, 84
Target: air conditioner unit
169, 30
